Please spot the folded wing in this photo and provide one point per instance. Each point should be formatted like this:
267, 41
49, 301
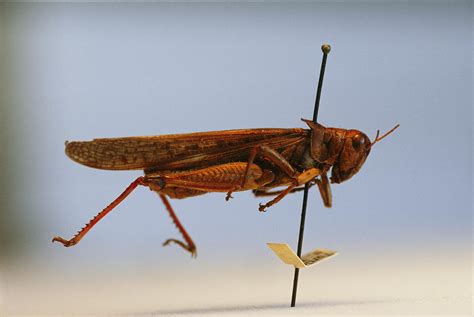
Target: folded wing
179, 151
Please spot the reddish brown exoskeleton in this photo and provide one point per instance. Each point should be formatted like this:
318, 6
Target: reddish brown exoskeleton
186, 165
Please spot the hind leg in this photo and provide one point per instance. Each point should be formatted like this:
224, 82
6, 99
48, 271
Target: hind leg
81, 233
188, 245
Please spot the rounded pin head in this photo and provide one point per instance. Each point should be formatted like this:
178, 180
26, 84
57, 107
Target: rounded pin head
326, 48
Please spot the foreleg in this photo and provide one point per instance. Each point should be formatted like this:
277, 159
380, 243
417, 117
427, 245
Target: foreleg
325, 190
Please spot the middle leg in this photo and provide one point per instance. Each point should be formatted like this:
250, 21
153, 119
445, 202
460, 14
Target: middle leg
266, 193
302, 178
270, 154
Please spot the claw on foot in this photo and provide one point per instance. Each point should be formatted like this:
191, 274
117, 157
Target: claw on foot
66, 243
229, 193
190, 248
262, 207
228, 196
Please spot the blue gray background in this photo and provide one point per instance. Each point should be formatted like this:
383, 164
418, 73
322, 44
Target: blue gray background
81, 71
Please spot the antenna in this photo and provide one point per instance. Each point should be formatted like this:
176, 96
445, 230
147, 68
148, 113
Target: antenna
377, 139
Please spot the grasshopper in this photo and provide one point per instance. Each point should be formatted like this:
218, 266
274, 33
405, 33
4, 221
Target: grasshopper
186, 165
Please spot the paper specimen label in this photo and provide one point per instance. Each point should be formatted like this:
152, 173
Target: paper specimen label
288, 256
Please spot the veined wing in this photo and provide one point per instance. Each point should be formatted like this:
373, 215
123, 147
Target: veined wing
178, 151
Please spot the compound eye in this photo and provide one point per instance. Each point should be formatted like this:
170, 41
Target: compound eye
357, 141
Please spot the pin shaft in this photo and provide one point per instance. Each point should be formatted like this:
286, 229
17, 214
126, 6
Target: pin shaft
326, 49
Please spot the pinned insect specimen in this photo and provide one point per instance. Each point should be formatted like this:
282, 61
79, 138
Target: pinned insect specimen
187, 165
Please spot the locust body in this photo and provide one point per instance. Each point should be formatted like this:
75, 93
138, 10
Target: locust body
185, 165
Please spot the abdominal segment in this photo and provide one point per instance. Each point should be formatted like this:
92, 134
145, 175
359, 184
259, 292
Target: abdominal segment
219, 178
